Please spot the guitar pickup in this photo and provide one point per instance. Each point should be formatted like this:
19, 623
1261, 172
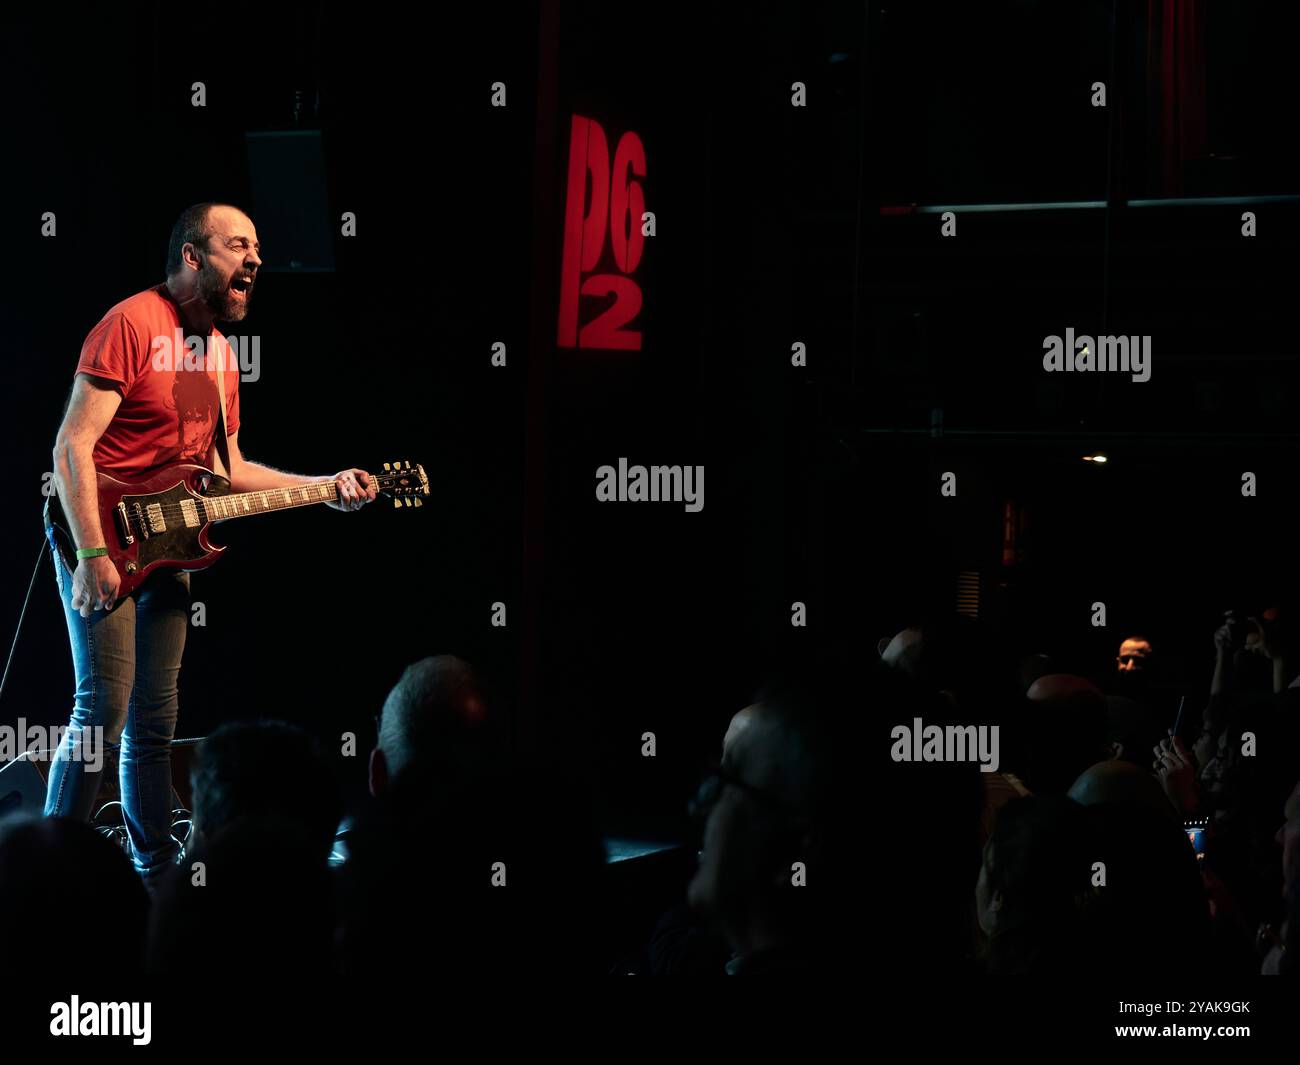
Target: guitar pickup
124, 523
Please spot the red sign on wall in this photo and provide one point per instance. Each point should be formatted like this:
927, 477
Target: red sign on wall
615, 205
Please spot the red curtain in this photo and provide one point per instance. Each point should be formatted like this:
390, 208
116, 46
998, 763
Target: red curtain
1175, 90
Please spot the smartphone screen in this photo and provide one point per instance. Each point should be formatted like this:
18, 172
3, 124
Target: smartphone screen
1196, 834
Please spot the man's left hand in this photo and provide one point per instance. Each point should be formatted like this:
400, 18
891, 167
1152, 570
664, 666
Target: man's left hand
356, 489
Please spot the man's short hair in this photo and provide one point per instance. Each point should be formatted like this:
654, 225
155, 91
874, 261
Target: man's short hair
436, 710
1138, 638
190, 228
259, 770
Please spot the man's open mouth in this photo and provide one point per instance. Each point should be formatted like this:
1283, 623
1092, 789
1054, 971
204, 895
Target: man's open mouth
242, 285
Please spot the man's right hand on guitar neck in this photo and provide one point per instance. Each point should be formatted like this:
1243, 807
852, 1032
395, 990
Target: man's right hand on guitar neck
94, 585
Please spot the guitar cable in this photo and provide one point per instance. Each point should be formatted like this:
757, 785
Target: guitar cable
187, 819
22, 614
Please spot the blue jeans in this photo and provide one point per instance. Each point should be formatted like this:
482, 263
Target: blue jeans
127, 663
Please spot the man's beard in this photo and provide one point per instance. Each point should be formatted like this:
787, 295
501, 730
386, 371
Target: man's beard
217, 297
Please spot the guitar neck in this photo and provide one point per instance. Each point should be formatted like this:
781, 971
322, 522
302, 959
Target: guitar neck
240, 504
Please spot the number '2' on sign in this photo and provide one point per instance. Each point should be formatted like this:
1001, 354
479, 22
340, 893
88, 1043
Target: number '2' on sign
614, 206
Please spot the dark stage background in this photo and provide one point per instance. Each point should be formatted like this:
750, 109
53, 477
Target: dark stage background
774, 225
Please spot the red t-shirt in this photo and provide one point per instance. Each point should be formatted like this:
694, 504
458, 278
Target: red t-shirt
170, 404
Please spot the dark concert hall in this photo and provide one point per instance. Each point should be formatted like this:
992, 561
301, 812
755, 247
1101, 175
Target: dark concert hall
975, 655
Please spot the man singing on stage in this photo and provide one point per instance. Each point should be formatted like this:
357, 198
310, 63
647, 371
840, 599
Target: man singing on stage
128, 417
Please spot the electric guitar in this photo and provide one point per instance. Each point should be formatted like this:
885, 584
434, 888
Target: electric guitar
163, 522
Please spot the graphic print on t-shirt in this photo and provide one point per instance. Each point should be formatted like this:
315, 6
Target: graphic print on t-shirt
196, 404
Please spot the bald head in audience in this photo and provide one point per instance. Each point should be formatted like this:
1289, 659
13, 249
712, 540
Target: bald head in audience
741, 721
1121, 782
777, 809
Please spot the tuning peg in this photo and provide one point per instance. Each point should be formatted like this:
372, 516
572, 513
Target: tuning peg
419, 502
387, 467
408, 464
408, 501
397, 503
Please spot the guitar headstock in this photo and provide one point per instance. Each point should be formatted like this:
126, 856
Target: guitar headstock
404, 484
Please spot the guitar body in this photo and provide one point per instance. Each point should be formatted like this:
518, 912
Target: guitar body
157, 523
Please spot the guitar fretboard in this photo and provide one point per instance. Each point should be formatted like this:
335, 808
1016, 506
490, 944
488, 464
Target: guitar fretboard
236, 506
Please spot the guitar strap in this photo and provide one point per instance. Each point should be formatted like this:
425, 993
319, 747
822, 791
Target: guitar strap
223, 444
